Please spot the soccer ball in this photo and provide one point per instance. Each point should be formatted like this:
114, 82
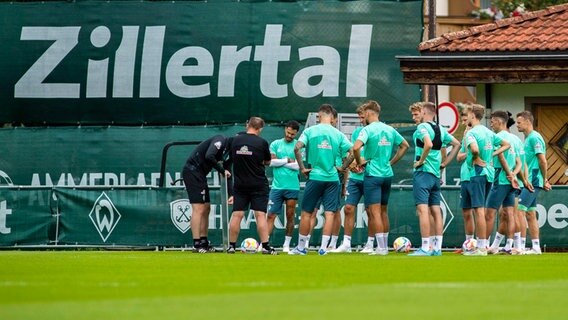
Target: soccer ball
249, 245
469, 245
402, 244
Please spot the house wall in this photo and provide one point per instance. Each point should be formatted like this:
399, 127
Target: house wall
511, 97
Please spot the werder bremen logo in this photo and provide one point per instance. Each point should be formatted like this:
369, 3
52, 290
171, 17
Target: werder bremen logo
180, 212
104, 216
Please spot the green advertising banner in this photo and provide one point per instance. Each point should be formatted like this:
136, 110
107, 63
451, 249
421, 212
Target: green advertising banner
27, 216
123, 156
102, 156
192, 62
161, 217
132, 217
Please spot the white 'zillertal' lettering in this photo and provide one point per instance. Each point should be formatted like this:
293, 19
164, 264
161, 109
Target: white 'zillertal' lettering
193, 61
31, 83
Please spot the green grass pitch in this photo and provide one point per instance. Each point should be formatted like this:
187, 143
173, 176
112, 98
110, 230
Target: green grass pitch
184, 285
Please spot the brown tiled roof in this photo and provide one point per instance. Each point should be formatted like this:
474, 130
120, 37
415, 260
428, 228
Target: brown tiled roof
545, 30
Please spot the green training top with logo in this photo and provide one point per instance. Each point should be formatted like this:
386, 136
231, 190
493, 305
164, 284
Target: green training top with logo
519, 152
352, 175
434, 159
486, 140
534, 145
284, 178
379, 140
324, 144
510, 157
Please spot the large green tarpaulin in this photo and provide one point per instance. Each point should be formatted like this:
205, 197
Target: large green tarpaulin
27, 216
162, 216
191, 62
121, 156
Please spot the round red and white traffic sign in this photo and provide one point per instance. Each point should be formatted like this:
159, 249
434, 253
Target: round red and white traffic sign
449, 116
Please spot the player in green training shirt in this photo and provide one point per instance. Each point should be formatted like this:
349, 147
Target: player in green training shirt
285, 181
536, 173
507, 166
519, 237
323, 144
480, 143
429, 139
467, 213
353, 196
379, 140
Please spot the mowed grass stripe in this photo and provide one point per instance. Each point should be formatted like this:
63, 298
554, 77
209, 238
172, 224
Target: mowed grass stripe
465, 300
149, 285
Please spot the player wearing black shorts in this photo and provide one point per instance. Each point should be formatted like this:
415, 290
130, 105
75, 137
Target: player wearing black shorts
202, 160
250, 154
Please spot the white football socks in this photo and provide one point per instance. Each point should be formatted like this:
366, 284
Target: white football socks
438, 243
346, 241
303, 242
333, 242
381, 241
287, 240
324, 242
370, 242
517, 241
497, 241
536, 244
482, 244
425, 244
509, 244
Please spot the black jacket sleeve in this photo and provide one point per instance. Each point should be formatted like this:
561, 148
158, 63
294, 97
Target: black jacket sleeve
215, 148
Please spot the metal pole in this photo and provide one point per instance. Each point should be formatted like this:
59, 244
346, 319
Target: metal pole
224, 211
432, 89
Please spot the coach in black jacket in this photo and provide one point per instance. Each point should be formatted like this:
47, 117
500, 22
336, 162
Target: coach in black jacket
204, 158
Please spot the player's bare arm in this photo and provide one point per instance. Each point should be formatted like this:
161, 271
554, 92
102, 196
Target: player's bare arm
298, 153
455, 149
543, 165
402, 148
425, 151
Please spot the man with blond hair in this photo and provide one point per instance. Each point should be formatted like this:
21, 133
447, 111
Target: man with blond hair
479, 144
379, 140
429, 139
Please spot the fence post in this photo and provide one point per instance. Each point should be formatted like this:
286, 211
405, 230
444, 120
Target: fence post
224, 211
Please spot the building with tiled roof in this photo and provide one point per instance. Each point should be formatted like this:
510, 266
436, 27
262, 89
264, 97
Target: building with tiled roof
515, 64
540, 31
532, 48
